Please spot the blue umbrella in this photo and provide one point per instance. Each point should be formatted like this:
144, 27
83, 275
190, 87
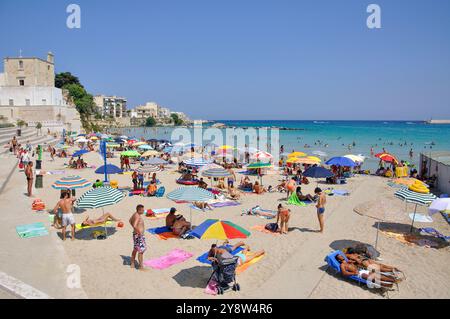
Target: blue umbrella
341, 161
317, 172
79, 153
109, 168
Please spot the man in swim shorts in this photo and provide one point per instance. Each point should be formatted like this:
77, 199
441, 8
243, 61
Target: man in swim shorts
139, 244
321, 201
66, 205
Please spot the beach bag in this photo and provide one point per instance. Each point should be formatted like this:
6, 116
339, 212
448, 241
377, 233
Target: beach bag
273, 227
21, 165
10, 149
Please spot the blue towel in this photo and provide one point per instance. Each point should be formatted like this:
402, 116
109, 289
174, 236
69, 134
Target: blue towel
340, 192
435, 233
204, 258
159, 230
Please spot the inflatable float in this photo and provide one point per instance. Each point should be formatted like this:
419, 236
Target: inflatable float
419, 187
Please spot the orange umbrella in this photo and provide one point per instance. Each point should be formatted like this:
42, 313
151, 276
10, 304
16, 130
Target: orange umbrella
386, 157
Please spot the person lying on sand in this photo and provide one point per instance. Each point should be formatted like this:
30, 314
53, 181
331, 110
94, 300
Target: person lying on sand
99, 221
364, 262
244, 255
202, 205
348, 270
202, 184
302, 197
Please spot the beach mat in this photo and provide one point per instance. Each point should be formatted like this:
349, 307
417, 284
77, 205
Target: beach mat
162, 233
261, 213
240, 269
340, 192
204, 258
421, 218
293, 200
174, 257
261, 228
79, 227
32, 230
225, 204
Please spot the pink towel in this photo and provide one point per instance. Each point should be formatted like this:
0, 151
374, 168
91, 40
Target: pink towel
176, 256
211, 288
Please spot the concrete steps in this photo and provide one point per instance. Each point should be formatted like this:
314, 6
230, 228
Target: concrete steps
6, 137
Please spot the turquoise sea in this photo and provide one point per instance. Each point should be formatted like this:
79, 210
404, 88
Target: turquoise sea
334, 137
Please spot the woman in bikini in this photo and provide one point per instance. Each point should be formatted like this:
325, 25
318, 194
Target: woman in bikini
224, 251
99, 221
283, 217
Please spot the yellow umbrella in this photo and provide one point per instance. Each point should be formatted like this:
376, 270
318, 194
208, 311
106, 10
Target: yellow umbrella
297, 154
94, 138
226, 147
314, 158
306, 160
139, 143
292, 160
150, 153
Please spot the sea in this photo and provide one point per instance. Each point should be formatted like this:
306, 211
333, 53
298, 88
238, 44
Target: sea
337, 138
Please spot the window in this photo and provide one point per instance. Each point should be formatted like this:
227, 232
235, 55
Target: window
11, 102
44, 102
20, 64
27, 101
21, 82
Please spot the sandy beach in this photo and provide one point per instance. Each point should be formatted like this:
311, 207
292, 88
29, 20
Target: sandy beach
293, 266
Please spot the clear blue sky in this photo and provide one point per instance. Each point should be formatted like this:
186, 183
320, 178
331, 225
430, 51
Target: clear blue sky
248, 59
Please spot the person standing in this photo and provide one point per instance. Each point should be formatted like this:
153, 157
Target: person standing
139, 244
283, 216
29, 175
231, 177
134, 179
66, 205
14, 144
140, 180
321, 201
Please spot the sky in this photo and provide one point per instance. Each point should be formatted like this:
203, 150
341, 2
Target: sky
248, 59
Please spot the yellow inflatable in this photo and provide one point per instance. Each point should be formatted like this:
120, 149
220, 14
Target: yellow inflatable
419, 187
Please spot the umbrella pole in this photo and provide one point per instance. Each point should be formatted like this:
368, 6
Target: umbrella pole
378, 230
414, 217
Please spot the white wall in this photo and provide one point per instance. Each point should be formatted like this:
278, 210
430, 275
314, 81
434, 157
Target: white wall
35, 94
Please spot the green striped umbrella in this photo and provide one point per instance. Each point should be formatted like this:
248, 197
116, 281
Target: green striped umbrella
416, 198
100, 197
257, 165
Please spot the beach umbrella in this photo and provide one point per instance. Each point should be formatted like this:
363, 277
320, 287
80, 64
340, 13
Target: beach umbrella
93, 138
219, 229
439, 205
355, 158
190, 194
416, 198
71, 182
340, 161
310, 160
296, 154
112, 145
130, 154
100, 197
109, 168
79, 153
138, 144
317, 172
386, 157
216, 172
148, 169
262, 156
150, 153
320, 153
226, 147
123, 137
209, 166
196, 162
314, 158
259, 165
155, 161
82, 140
145, 147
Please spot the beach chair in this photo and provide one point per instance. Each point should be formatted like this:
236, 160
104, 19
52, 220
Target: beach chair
160, 192
334, 265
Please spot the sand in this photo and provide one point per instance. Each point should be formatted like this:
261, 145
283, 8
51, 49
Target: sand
293, 266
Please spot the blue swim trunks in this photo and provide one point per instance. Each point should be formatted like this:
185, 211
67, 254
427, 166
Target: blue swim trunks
321, 210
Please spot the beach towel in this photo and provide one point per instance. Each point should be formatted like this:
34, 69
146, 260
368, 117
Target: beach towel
174, 257
421, 218
433, 232
211, 288
192, 206
262, 229
108, 223
412, 240
340, 192
225, 204
262, 213
31, 230
204, 258
293, 200
162, 233
56, 172
136, 192
240, 269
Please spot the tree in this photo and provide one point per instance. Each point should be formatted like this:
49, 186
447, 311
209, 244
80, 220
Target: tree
21, 123
150, 121
176, 120
39, 127
65, 78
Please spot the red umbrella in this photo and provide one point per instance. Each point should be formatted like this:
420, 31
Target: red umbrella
386, 157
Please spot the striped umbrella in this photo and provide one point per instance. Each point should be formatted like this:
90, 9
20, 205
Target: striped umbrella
155, 161
196, 162
410, 196
190, 194
216, 172
148, 169
262, 156
219, 229
100, 197
258, 165
71, 182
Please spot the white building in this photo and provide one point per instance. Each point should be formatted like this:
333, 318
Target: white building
111, 106
28, 93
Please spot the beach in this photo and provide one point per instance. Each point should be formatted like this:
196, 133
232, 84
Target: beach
293, 265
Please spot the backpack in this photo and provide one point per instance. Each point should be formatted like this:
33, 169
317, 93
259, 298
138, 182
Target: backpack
273, 227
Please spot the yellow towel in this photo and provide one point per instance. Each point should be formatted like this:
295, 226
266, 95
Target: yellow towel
243, 267
108, 223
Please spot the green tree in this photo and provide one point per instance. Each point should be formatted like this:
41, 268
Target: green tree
38, 128
150, 121
21, 123
176, 119
65, 78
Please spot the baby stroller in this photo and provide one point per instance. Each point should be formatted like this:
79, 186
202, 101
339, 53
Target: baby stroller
224, 273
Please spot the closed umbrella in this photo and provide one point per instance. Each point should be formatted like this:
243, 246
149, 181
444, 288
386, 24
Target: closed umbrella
416, 198
219, 229
190, 194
